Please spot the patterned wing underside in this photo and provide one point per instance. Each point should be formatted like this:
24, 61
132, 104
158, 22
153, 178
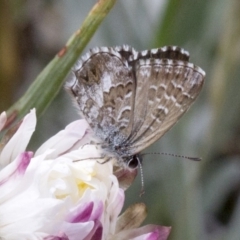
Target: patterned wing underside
105, 93
172, 86
131, 98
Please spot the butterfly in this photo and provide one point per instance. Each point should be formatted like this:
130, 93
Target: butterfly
131, 99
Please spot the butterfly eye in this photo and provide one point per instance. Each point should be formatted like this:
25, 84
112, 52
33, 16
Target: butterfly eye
134, 161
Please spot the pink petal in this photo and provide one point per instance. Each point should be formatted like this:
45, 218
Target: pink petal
85, 220
61, 236
87, 231
159, 233
96, 233
74, 230
15, 168
18, 143
97, 211
86, 212
148, 232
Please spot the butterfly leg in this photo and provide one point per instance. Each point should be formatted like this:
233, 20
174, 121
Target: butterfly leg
107, 160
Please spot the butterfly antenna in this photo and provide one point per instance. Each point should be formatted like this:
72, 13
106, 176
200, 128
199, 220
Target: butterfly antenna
197, 159
142, 179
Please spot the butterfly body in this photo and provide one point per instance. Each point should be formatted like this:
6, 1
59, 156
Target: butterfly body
130, 99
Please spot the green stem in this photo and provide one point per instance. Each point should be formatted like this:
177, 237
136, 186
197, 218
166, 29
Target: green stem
48, 83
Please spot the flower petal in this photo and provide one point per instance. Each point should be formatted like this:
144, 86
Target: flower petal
76, 134
86, 212
71, 196
60, 236
18, 143
3, 120
97, 232
125, 176
132, 217
77, 231
114, 206
17, 167
148, 232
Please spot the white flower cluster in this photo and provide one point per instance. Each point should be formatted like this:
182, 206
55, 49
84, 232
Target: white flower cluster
54, 194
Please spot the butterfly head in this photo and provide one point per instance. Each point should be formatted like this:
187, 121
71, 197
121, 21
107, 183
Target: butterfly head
132, 161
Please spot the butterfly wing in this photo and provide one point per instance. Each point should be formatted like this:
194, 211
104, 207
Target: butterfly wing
131, 99
104, 89
165, 90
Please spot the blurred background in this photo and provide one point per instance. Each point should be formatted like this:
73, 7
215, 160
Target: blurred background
200, 200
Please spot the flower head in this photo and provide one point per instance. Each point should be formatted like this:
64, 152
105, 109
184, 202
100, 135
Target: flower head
55, 194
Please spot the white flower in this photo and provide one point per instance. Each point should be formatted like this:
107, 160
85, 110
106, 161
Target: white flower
54, 195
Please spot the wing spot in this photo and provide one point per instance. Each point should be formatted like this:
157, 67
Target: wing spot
166, 96
152, 94
160, 91
125, 113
